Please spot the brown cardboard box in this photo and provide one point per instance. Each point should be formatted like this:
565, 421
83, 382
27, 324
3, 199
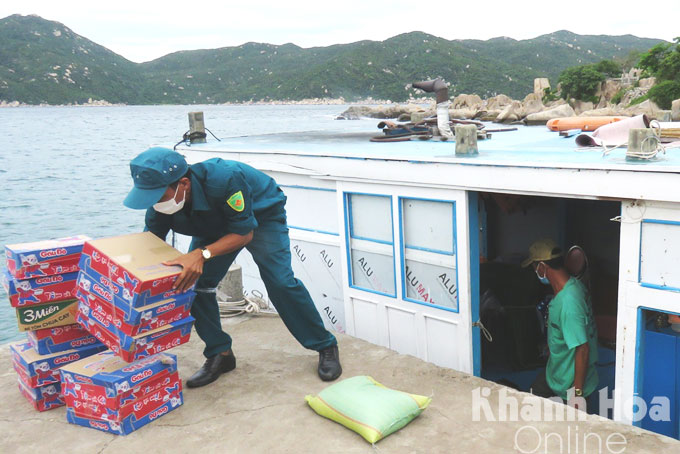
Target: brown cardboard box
131, 267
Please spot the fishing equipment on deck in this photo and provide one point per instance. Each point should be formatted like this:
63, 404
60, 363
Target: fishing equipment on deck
612, 134
582, 123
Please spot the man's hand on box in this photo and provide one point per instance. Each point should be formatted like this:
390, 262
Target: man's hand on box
192, 268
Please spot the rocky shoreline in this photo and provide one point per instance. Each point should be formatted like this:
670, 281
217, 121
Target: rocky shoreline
532, 110
309, 102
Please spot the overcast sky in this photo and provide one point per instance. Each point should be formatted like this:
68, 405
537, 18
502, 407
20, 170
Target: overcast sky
144, 30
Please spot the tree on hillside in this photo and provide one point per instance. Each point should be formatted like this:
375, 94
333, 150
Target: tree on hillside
663, 62
650, 60
609, 68
581, 82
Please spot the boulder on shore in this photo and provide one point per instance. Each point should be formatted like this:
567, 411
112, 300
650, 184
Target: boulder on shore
463, 114
511, 113
647, 107
488, 115
581, 106
467, 101
675, 110
497, 103
541, 118
381, 111
608, 89
609, 111
540, 85
532, 103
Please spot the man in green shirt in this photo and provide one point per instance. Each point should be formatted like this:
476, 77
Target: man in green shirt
572, 335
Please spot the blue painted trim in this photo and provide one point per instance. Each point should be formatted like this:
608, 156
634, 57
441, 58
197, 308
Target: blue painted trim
646, 284
639, 359
347, 214
659, 287
473, 225
313, 230
403, 258
351, 220
640, 254
435, 251
347, 209
660, 221
297, 186
372, 291
394, 265
419, 248
373, 240
402, 265
638, 383
436, 306
653, 309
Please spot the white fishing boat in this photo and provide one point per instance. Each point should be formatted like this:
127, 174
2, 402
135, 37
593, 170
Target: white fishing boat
397, 242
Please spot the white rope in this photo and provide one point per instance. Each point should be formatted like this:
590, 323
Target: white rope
247, 305
606, 151
483, 330
650, 154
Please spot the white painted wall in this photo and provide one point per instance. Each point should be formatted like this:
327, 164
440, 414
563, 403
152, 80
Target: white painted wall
632, 295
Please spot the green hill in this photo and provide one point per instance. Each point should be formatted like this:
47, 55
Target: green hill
45, 62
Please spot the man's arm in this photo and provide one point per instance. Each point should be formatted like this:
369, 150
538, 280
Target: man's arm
580, 370
581, 365
192, 263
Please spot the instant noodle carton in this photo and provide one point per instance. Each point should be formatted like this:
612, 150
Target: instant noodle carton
134, 348
47, 315
26, 292
62, 338
38, 370
130, 267
43, 397
106, 393
133, 321
44, 258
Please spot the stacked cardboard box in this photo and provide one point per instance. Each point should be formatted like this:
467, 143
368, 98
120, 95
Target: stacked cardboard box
39, 379
41, 282
126, 296
59, 339
106, 393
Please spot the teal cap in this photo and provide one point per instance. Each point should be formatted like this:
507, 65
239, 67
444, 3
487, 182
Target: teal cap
152, 172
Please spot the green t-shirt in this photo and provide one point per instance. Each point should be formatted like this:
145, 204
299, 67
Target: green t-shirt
570, 324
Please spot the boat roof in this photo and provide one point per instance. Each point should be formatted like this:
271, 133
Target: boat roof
528, 146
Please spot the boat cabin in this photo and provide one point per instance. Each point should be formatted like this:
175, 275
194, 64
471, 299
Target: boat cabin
408, 246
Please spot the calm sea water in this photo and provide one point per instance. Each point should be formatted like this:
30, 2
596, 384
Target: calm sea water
64, 170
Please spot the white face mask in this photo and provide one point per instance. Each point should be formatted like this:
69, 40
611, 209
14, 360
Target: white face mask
170, 206
544, 279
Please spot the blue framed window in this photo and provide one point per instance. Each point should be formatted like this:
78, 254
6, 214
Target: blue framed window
428, 250
370, 243
659, 265
300, 201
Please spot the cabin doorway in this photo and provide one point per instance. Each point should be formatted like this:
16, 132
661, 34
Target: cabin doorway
512, 301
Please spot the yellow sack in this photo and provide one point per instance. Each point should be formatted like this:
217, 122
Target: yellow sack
367, 407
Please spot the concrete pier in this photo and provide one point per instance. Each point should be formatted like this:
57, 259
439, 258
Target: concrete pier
260, 408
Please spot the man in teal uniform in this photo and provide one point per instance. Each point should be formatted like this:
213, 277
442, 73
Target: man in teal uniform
227, 206
572, 335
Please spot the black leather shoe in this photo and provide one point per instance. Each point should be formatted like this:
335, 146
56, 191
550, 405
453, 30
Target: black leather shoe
329, 363
212, 369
